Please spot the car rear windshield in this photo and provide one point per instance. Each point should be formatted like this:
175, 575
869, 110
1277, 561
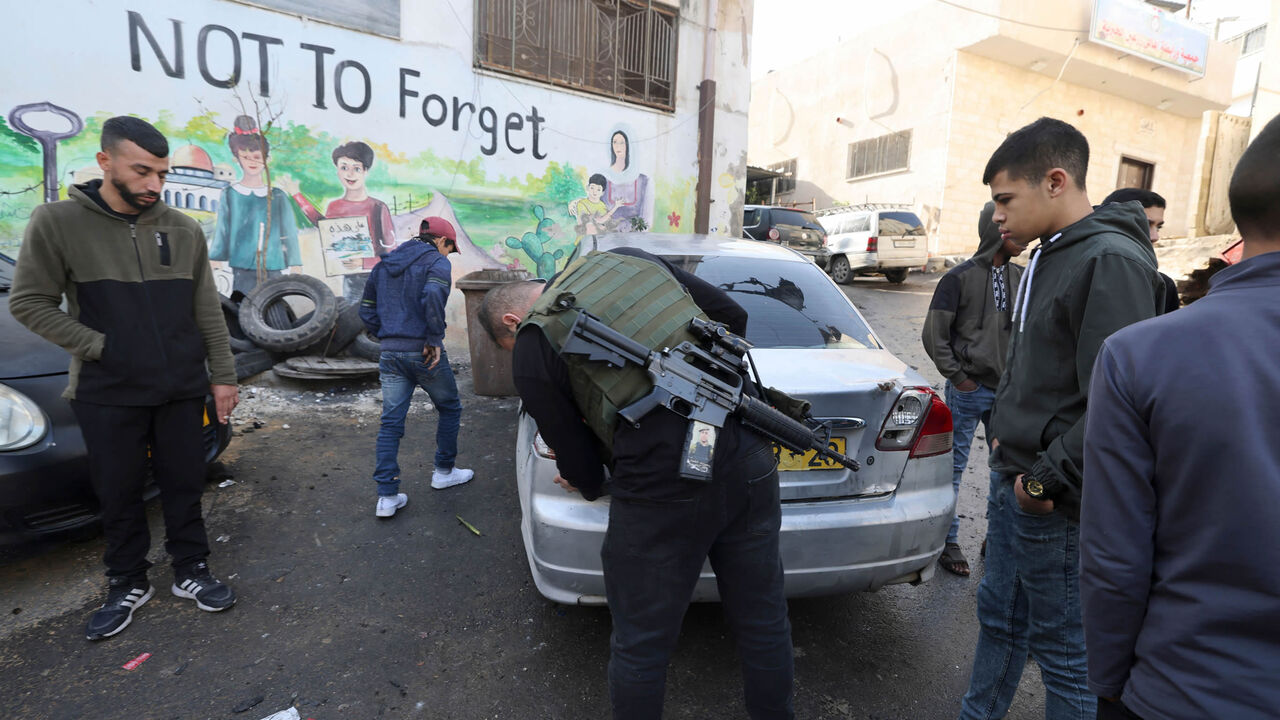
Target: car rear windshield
793, 217
788, 304
900, 223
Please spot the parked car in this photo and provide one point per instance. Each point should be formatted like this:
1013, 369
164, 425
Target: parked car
788, 227
44, 468
842, 530
874, 239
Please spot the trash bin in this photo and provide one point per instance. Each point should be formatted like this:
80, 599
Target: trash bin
490, 364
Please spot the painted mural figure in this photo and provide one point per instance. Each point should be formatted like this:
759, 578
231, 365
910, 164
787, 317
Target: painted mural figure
352, 161
242, 237
628, 189
592, 214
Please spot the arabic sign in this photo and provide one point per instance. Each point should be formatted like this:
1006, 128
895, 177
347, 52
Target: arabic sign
1150, 33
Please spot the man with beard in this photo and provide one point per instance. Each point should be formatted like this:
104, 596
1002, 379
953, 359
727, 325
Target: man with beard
142, 319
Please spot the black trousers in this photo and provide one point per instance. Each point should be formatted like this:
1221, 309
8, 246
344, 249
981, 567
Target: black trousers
118, 438
1114, 711
653, 553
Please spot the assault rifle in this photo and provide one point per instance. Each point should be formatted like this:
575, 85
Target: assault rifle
702, 384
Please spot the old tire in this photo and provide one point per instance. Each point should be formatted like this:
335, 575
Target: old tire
252, 362
366, 346
897, 276
341, 335
231, 314
256, 321
840, 270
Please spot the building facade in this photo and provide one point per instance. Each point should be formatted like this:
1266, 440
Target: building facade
500, 115
911, 112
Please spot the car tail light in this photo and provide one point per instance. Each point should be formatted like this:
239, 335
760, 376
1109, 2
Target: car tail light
541, 447
872, 244
919, 422
774, 234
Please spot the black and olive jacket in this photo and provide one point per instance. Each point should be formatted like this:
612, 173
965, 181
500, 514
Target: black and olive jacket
143, 314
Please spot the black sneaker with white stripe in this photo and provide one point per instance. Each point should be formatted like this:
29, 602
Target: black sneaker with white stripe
197, 583
124, 595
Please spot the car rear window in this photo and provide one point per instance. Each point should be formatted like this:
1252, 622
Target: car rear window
751, 218
788, 304
900, 223
847, 223
793, 217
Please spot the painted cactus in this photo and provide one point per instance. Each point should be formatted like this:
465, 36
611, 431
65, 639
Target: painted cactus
534, 245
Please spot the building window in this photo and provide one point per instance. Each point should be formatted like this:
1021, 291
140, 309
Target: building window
884, 154
620, 48
786, 176
381, 17
1135, 174
1253, 41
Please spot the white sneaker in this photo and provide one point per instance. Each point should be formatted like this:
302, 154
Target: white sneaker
457, 476
389, 504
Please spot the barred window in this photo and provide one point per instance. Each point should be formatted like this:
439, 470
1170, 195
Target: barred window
787, 172
883, 154
375, 16
620, 48
1254, 41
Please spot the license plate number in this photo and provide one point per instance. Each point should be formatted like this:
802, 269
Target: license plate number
809, 459
904, 243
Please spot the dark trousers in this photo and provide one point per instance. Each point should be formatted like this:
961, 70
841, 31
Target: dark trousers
1114, 711
653, 553
117, 438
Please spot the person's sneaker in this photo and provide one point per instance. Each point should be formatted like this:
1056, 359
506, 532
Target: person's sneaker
389, 504
123, 597
441, 480
197, 583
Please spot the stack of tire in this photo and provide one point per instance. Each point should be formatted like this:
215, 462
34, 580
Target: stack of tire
265, 329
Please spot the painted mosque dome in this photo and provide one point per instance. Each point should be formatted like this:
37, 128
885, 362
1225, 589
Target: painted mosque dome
192, 157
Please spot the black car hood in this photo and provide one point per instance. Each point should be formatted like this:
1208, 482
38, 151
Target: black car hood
23, 353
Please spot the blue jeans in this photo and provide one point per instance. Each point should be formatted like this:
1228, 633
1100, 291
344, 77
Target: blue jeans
400, 373
1029, 601
967, 408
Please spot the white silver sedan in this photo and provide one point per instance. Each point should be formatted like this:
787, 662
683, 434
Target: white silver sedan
842, 530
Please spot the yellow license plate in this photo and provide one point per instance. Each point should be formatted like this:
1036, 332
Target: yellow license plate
808, 460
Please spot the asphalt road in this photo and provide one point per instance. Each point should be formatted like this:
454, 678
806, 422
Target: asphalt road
342, 615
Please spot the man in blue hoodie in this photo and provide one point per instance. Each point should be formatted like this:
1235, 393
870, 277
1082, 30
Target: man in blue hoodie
403, 306
1178, 531
1093, 273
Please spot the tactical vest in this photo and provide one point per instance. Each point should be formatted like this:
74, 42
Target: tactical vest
636, 297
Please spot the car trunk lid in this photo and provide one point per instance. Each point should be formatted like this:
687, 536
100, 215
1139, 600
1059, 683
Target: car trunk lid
855, 389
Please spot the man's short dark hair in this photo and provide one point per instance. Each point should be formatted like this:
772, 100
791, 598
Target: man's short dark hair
1031, 151
135, 130
499, 301
1146, 197
598, 179
358, 151
1254, 192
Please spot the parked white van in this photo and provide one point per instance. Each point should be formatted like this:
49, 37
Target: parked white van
877, 238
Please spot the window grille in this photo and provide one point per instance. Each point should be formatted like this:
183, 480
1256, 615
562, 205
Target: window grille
1254, 40
787, 170
879, 155
620, 48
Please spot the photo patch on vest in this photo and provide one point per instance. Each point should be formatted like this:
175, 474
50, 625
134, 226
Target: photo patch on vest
162, 242
699, 452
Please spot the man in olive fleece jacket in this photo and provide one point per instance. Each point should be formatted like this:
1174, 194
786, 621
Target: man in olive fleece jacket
142, 318
966, 334
1093, 273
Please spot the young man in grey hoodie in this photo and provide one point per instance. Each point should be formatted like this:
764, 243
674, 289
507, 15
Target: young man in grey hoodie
1093, 273
966, 334
1178, 532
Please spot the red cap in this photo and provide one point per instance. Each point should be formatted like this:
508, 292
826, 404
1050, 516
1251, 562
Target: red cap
437, 226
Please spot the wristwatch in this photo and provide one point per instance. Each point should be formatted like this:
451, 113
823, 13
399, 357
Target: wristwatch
1038, 489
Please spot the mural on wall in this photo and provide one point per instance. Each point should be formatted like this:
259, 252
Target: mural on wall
300, 165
